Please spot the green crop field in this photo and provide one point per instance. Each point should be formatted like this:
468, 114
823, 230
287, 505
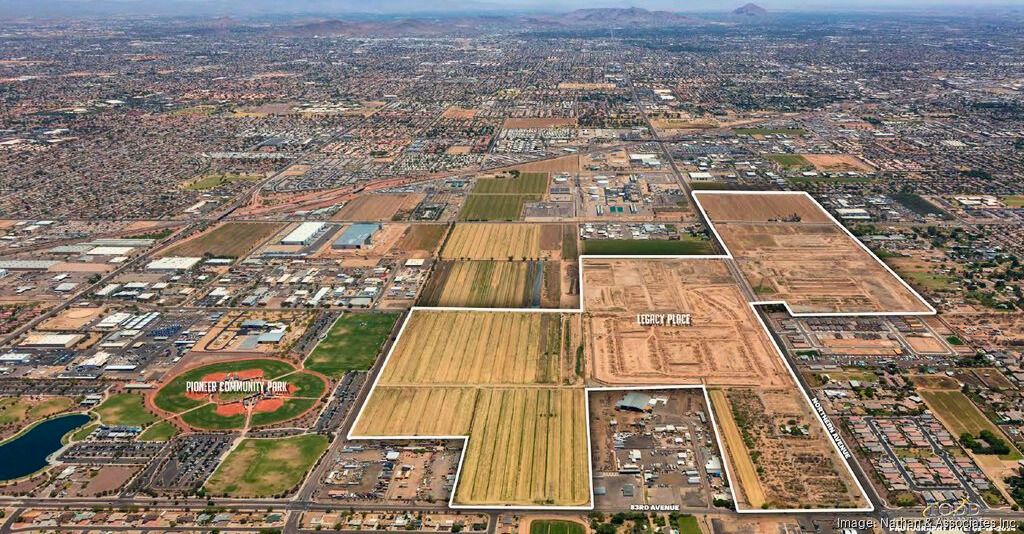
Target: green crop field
556, 527
352, 344
526, 183
171, 397
625, 247
124, 409
479, 207
266, 467
958, 413
161, 431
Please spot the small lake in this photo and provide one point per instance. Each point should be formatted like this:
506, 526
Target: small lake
27, 453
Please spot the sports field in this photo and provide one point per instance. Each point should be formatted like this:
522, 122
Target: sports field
556, 527
266, 467
125, 409
226, 411
484, 284
161, 431
493, 242
228, 240
352, 344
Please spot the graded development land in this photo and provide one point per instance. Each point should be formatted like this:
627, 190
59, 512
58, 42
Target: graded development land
266, 467
352, 344
228, 240
377, 207
507, 380
686, 246
724, 345
789, 249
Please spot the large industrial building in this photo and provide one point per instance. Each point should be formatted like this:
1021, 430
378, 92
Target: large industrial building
356, 236
305, 234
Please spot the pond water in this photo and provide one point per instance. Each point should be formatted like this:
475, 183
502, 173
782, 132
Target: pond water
27, 453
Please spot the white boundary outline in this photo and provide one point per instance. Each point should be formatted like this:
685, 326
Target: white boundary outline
733, 481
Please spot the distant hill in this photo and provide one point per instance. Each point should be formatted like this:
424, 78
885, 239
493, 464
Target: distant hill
750, 10
425, 26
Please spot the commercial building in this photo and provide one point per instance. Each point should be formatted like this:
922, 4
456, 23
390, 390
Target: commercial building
356, 236
304, 234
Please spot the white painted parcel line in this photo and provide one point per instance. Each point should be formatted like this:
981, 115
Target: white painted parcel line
725, 456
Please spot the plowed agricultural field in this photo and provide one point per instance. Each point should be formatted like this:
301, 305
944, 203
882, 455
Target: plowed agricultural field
493, 242
505, 380
484, 284
456, 348
527, 447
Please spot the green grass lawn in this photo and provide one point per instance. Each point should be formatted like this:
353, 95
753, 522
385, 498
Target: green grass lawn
161, 431
556, 527
306, 385
687, 524
1013, 201
352, 344
125, 409
789, 161
214, 180
687, 246
83, 432
266, 467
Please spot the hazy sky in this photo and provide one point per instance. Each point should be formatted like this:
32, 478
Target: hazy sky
10, 8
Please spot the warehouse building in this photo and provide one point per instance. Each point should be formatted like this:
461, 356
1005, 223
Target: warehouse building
357, 236
304, 234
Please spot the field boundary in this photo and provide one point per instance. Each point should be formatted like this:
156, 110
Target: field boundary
580, 309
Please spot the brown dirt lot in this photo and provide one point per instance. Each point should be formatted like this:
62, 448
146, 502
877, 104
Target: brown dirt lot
760, 208
422, 237
836, 162
377, 207
562, 164
725, 345
72, 319
233, 239
815, 269
455, 112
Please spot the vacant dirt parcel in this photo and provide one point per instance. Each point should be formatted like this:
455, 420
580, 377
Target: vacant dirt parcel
723, 345
382, 207
507, 380
788, 249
